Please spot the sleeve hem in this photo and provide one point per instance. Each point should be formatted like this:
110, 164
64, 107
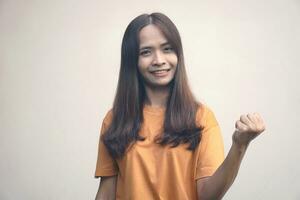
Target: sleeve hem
105, 173
205, 172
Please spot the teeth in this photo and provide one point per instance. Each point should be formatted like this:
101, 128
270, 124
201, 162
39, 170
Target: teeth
163, 70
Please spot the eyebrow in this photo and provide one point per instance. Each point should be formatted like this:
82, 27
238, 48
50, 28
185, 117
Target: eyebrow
149, 47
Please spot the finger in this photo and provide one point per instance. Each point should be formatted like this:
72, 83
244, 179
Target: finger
258, 116
244, 119
253, 118
241, 127
261, 123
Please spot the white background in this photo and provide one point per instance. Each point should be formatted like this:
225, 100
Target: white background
59, 64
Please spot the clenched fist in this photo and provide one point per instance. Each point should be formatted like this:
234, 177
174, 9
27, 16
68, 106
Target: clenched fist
247, 128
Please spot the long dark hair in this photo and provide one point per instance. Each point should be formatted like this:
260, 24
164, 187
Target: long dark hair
127, 112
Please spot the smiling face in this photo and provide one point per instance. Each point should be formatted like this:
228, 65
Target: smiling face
157, 60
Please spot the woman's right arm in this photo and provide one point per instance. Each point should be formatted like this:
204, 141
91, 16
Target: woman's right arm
107, 188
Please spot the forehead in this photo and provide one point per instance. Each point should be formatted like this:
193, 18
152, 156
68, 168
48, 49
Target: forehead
151, 35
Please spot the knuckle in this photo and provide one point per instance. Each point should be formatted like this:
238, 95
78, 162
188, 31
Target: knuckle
244, 129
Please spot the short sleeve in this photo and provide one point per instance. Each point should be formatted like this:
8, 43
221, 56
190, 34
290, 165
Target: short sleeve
106, 165
210, 152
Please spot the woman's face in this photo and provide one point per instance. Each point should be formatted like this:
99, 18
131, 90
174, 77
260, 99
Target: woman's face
157, 60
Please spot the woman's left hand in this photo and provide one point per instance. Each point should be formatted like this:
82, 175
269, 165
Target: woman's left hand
248, 127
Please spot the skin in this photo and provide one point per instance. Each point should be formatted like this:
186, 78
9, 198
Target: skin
107, 188
156, 54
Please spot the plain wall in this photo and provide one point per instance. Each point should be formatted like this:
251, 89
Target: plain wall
59, 65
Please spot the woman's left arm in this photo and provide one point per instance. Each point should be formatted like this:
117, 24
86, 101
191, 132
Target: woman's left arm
214, 187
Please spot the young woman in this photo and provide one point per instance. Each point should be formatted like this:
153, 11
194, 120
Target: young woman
158, 142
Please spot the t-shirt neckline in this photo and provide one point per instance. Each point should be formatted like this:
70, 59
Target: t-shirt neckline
154, 109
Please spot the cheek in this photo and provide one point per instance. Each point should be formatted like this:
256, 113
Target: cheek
173, 60
142, 64
174, 63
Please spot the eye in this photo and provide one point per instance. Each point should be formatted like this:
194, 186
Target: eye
168, 49
145, 52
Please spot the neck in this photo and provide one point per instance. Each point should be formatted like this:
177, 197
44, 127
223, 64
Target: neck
157, 96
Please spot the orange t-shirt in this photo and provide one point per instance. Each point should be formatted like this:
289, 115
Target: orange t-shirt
149, 171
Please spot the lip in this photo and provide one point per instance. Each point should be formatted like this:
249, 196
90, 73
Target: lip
160, 72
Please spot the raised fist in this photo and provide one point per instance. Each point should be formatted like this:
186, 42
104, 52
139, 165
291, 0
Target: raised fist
247, 128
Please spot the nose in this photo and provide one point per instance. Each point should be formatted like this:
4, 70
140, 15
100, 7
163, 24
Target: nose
158, 58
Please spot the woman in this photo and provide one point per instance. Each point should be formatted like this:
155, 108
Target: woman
158, 142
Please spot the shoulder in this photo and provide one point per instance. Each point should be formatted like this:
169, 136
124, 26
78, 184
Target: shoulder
205, 117
106, 121
108, 117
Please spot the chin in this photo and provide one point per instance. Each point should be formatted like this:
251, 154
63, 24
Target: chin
161, 84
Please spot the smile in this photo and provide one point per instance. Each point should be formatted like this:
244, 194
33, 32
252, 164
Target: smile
161, 72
